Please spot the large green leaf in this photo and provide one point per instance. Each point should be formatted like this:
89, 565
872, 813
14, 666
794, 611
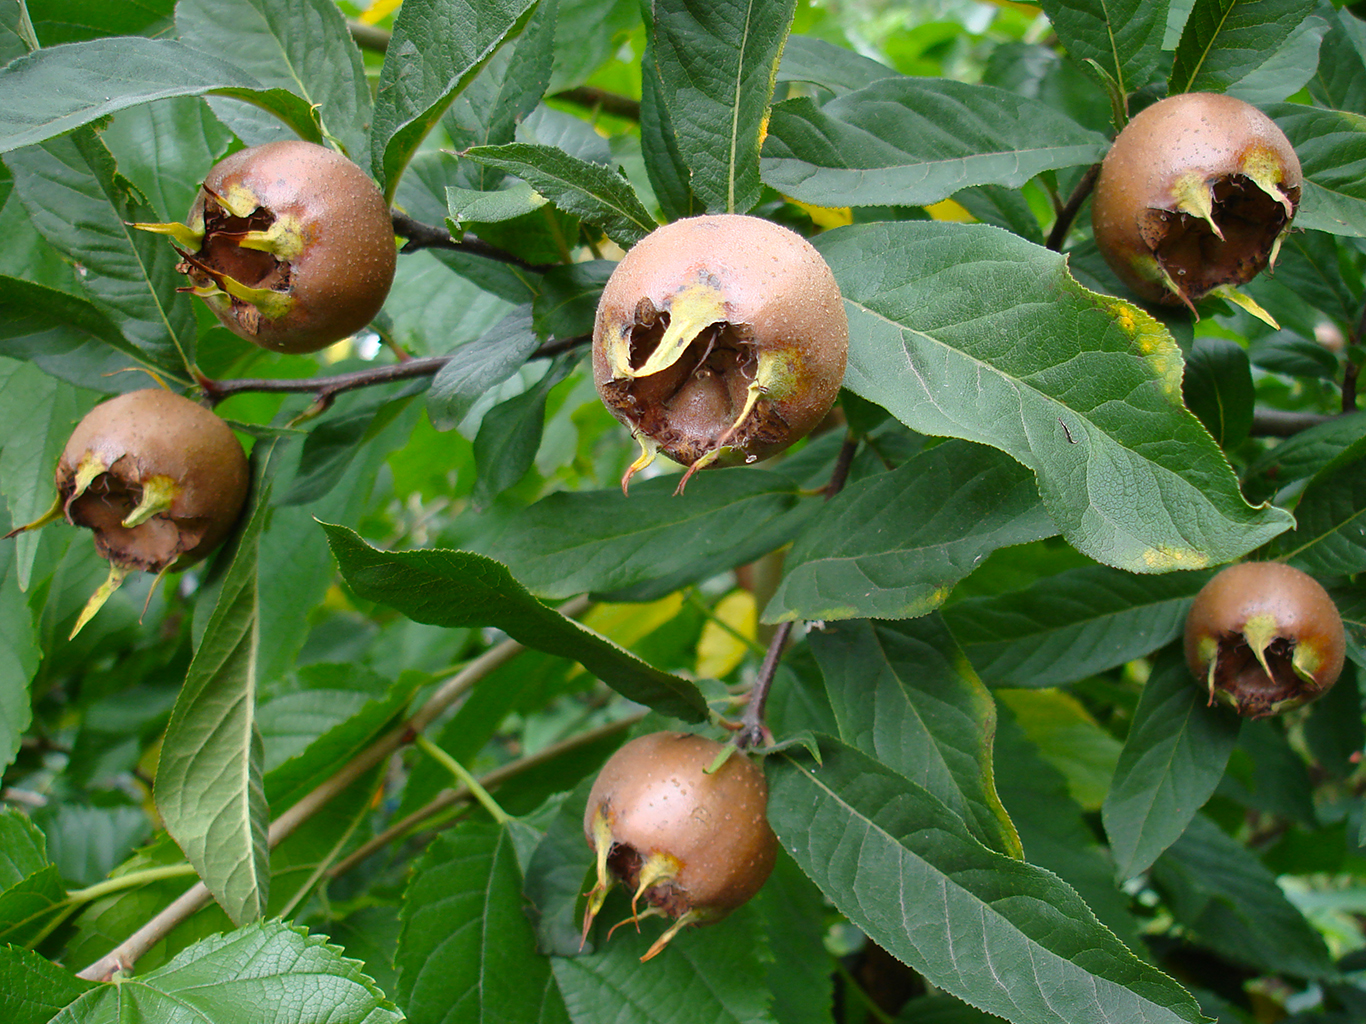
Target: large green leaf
436, 49
510, 435
892, 546
468, 954
302, 46
1230, 901
902, 692
1072, 624
55, 90
1123, 36
208, 783
601, 541
1331, 145
85, 209
915, 141
478, 366
969, 331
1174, 756
33, 988
458, 588
716, 64
267, 974
1225, 39
1219, 390
998, 933
594, 194
1340, 81
1329, 538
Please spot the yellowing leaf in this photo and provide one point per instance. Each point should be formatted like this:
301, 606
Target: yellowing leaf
1069, 739
719, 650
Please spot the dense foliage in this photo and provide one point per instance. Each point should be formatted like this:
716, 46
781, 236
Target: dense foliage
369, 723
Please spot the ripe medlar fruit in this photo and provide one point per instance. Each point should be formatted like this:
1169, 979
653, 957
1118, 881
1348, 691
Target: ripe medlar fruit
693, 844
718, 340
290, 244
1195, 196
159, 479
1264, 637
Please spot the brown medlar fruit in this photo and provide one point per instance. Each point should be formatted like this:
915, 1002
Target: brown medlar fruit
158, 479
290, 244
1264, 637
718, 340
1194, 197
692, 842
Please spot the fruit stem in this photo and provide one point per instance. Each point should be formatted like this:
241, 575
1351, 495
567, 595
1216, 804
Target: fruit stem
752, 731
463, 775
1071, 208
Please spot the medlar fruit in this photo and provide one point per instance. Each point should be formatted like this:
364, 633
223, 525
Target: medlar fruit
159, 479
1264, 637
693, 843
1194, 197
718, 340
290, 244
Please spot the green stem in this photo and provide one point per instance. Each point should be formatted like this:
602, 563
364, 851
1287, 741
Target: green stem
128, 881
464, 777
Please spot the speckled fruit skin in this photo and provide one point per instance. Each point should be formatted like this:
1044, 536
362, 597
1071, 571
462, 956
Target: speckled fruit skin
1305, 621
340, 279
657, 797
779, 297
1214, 137
149, 433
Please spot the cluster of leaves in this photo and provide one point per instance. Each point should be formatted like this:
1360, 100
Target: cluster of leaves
1019, 793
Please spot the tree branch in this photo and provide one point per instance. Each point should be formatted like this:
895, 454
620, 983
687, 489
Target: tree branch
1069, 211
127, 953
428, 236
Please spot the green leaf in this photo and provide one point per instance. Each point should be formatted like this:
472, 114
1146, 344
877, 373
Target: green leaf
27, 907
208, 782
594, 194
1072, 624
716, 64
600, 541
33, 988
478, 366
87, 842
832, 67
1224, 40
1218, 889
23, 848
568, 302
1290, 66
1218, 389
1054, 829
266, 973
20, 654
716, 974
1340, 79
510, 435
467, 952
302, 46
1046, 371
915, 141
892, 546
1329, 538
1123, 37
1173, 758
998, 933
86, 209
459, 588
57, 89
664, 164
1331, 145
902, 692
436, 50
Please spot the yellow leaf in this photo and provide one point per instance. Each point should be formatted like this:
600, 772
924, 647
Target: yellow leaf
718, 650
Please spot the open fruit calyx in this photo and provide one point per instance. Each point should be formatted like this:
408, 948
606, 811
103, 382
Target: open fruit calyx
719, 340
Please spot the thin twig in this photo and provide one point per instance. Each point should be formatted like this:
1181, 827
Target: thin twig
752, 731
1069, 211
1279, 423
601, 99
127, 953
429, 236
